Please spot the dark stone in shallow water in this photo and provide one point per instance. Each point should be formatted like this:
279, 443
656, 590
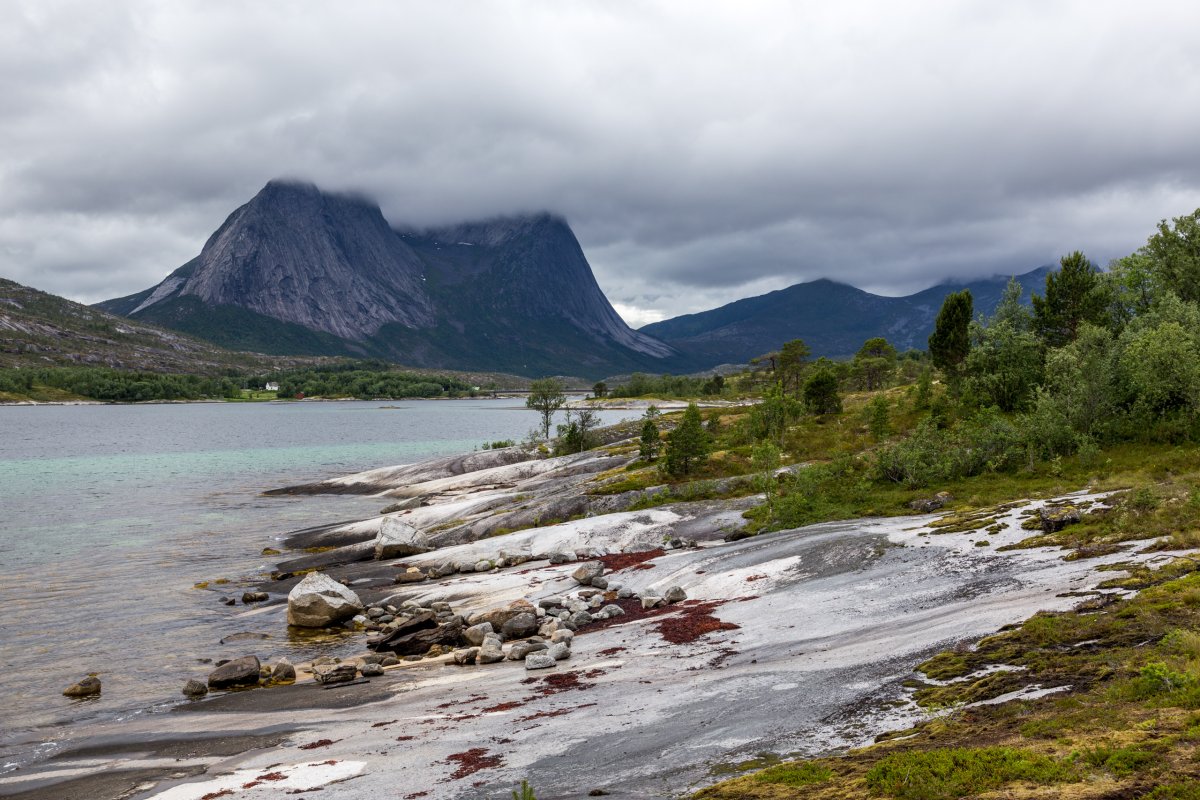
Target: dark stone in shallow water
235, 674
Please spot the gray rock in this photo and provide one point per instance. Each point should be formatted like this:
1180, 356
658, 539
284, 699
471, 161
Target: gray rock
612, 610
548, 628
466, 656
476, 633
584, 573
559, 651
245, 636
319, 601
580, 618
541, 660
562, 636
283, 672
561, 558
600, 582
521, 649
240, 672
370, 670
499, 616
397, 539
675, 594
483, 565
335, 673
520, 626
1055, 518
650, 601
88, 687
194, 688
412, 575
375, 612
254, 597
491, 651
389, 661
624, 593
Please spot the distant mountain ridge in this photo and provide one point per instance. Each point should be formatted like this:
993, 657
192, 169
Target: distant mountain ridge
832, 318
298, 270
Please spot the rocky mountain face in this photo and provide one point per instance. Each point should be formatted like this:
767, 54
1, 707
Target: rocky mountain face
832, 318
297, 270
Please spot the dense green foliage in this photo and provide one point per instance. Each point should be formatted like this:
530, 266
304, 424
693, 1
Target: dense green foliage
100, 383
683, 386
368, 380
1075, 295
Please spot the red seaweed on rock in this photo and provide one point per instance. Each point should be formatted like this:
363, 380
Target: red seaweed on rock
619, 561
472, 761
692, 622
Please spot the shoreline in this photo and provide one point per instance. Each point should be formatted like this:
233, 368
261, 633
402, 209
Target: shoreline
753, 583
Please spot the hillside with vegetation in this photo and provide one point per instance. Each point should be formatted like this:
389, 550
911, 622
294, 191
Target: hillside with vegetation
1095, 386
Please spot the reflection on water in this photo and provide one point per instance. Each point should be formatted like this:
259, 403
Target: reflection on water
110, 514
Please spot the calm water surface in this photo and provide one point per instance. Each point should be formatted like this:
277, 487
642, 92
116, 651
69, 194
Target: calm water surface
110, 514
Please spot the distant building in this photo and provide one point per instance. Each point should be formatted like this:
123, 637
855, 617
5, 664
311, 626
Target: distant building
271, 386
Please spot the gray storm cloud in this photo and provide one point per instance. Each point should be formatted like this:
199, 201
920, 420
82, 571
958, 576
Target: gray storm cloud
702, 152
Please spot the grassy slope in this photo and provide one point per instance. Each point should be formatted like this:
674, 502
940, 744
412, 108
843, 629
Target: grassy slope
1129, 725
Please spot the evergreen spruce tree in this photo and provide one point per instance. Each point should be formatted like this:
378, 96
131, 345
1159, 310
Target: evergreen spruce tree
950, 342
687, 445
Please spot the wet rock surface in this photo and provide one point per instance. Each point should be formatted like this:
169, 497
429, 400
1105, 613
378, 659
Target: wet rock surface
689, 649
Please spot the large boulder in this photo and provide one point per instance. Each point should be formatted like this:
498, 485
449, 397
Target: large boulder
585, 572
1055, 518
240, 672
318, 601
334, 673
520, 626
397, 539
499, 616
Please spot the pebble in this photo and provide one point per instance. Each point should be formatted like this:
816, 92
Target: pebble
88, 687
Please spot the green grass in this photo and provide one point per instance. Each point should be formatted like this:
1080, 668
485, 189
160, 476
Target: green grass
803, 773
961, 772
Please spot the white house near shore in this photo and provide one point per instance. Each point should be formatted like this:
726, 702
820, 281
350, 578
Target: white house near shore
271, 386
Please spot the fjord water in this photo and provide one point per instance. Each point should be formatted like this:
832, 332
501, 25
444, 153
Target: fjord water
110, 514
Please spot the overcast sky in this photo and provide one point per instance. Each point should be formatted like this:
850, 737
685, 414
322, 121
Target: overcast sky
702, 151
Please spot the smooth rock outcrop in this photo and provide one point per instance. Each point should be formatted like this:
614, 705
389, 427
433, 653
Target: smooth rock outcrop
319, 601
397, 539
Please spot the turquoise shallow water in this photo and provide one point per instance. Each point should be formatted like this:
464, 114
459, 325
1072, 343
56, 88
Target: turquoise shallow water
110, 514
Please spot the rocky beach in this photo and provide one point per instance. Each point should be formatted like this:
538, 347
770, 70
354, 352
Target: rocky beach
505, 619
